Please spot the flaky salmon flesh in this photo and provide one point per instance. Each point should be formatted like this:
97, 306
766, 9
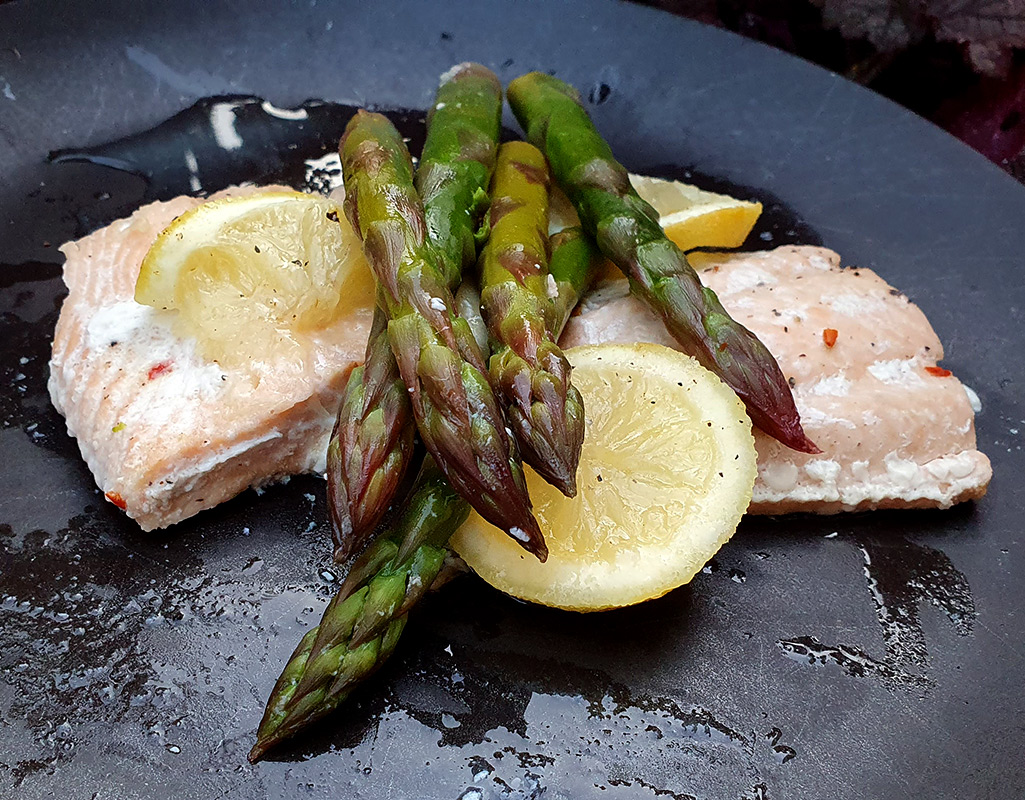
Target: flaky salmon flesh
168, 433
895, 429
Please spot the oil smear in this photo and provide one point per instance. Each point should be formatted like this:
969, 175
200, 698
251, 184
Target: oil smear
901, 577
232, 139
498, 735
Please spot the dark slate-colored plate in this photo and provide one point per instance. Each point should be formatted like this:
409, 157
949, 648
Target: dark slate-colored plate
876, 655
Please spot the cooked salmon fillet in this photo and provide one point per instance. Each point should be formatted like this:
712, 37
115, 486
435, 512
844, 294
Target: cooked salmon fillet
166, 432
895, 430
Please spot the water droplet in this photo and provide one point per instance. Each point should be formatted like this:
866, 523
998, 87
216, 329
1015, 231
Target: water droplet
449, 721
737, 576
173, 748
328, 576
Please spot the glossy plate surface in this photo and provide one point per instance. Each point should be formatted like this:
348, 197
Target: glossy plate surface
876, 655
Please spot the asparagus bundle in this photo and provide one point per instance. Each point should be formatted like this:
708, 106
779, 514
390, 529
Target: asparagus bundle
369, 599
527, 367
363, 622
415, 547
371, 446
440, 362
627, 231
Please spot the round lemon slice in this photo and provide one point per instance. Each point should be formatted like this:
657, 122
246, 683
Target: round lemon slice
692, 217
256, 272
665, 475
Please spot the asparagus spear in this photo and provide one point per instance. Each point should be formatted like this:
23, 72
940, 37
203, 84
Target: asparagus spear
528, 369
371, 446
627, 231
362, 623
574, 262
440, 362
457, 161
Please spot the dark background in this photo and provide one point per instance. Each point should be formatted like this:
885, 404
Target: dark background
958, 64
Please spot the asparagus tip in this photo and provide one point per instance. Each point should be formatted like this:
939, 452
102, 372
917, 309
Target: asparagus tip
785, 427
802, 443
567, 484
561, 475
531, 538
260, 749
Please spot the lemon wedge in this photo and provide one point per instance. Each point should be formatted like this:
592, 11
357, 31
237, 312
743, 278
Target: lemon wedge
692, 217
256, 272
665, 475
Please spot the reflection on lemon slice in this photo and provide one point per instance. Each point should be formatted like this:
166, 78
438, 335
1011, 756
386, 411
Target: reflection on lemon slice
253, 274
665, 475
692, 217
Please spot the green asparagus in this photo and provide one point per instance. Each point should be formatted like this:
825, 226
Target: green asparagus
528, 369
371, 446
574, 262
457, 161
362, 623
440, 362
627, 231
410, 547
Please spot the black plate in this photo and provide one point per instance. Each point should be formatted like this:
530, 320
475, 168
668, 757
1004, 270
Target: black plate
883, 661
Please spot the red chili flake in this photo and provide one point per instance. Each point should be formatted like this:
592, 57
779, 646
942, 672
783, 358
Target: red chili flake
117, 500
159, 369
829, 336
939, 372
